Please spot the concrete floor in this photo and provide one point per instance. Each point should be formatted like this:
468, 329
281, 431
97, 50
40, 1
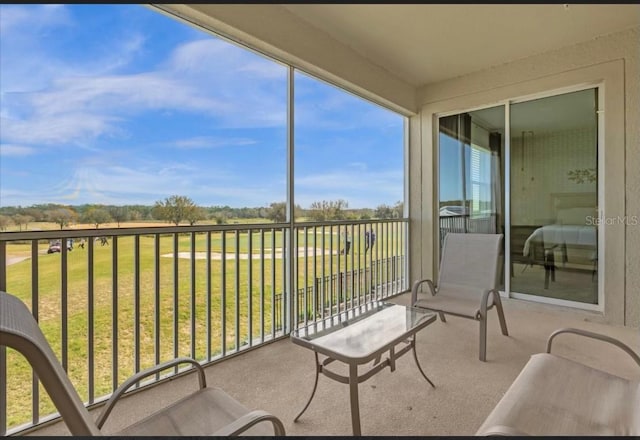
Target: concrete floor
278, 377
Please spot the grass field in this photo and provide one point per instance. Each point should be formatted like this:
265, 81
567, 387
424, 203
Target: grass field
251, 284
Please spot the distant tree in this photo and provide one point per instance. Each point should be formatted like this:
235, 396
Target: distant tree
384, 211
319, 211
62, 216
194, 215
339, 207
22, 219
135, 215
366, 214
9, 210
277, 212
246, 212
220, 219
96, 216
5, 222
174, 209
398, 209
328, 210
37, 214
119, 214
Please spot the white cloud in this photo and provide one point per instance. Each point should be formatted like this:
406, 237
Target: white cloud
25, 66
264, 70
351, 180
205, 77
122, 95
201, 55
361, 187
15, 150
360, 166
212, 142
34, 17
74, 128
123, 54
208, 76
91, 182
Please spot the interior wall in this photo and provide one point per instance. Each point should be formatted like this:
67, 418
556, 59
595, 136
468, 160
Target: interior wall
611, 61
548, 158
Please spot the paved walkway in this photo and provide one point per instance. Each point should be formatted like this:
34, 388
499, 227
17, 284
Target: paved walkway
14, 260
244, 256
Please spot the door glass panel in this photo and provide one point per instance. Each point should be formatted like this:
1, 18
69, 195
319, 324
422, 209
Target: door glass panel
553, 196
471, 173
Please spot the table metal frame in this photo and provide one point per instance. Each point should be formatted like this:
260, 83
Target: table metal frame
353, 379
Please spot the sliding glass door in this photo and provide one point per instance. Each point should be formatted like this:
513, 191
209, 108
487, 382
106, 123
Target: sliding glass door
471, 173
553, 193
538, 188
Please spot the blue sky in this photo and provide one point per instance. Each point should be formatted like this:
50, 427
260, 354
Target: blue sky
119, 104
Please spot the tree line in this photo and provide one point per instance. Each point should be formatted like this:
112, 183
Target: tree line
182, 209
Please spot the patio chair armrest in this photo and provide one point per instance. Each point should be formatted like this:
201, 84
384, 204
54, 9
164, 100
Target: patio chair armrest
119, 392
247, 421
503, 430
414, 289
485, 300
597, 336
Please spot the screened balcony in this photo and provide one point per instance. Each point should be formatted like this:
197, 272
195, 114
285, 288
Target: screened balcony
219, 293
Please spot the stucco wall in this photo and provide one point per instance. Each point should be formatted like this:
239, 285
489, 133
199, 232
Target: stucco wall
615, 57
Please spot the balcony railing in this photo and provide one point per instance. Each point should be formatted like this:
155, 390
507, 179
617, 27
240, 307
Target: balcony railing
131, 298
466, 224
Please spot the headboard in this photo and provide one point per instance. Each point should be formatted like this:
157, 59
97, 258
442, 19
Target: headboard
573, 208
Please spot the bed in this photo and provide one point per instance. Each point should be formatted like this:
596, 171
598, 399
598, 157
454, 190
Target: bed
572, 239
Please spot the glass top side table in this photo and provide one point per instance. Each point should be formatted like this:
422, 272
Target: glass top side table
359, 336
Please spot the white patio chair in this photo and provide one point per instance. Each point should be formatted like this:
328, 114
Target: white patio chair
205, 412
556, 396
467, 282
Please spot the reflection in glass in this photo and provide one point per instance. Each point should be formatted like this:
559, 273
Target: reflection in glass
471, 154
554, 197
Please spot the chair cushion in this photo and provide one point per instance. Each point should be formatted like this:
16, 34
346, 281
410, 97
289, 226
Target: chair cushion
556, 396
199, 414
450, 304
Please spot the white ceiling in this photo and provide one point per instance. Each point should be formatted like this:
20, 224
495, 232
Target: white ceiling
415, 42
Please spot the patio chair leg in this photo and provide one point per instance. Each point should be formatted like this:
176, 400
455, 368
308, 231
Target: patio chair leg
315, 386
503, 322
442, 317
483, 339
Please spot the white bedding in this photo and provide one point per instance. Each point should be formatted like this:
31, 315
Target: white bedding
562, 234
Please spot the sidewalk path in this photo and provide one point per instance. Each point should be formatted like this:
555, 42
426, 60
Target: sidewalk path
244, 256
14, 260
